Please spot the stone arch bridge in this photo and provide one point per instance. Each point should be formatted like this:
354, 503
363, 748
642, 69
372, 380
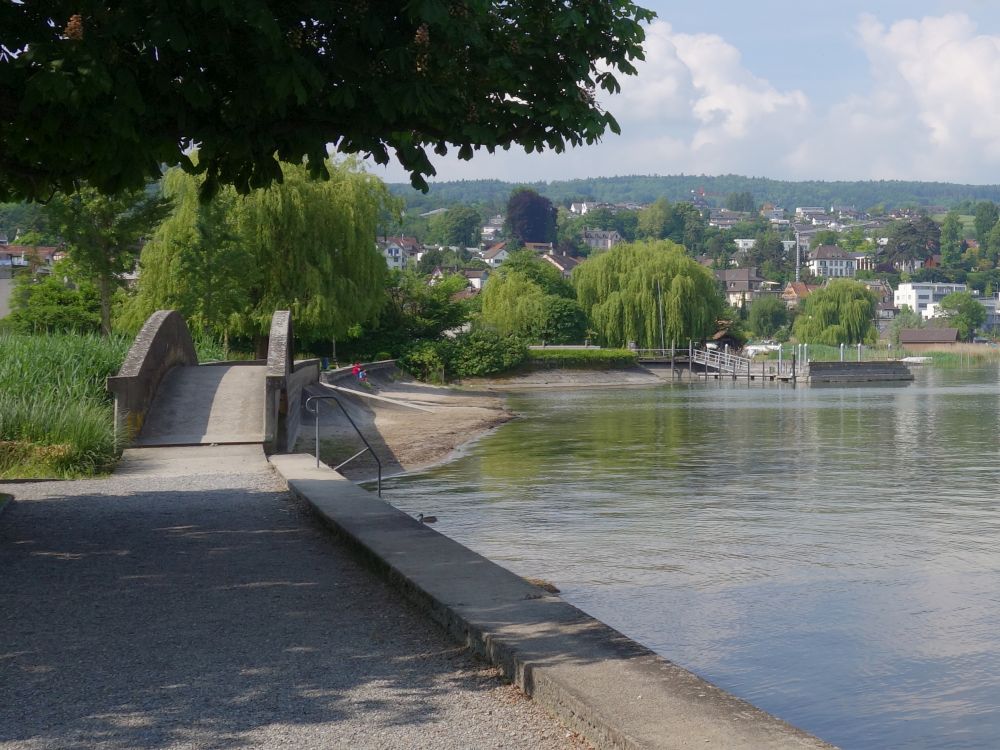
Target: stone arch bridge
165, 397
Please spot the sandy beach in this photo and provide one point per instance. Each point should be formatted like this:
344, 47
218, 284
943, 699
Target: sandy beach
412, 425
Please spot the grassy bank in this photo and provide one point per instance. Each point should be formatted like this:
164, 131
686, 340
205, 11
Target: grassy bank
55, 416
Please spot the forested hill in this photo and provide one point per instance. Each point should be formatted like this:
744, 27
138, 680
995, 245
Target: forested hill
646, 189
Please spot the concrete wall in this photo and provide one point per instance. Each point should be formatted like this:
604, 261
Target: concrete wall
344, 373
6, 287
285, 382
163, 343
857, 372
279, 367
303, 374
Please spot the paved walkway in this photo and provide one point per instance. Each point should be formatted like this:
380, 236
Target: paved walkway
189, 602
207, 404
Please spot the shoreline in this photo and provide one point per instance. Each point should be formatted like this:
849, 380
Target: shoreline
431, 425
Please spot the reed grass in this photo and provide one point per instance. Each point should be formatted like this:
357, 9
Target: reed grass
56, 418
56, 415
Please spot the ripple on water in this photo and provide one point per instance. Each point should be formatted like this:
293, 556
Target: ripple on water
831, 554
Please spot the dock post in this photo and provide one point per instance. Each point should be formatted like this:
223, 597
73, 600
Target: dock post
690, 359
793, 368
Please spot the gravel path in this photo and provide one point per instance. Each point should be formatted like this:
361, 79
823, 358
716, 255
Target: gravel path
211, 611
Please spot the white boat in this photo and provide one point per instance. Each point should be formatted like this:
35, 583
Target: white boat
916, 360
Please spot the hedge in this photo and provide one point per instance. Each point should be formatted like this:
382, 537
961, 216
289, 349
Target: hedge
583, 359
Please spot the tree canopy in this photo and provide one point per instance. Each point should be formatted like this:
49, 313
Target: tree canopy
624, 290
108, 93
914, 240
103, 234
304, 245
528, 297
963, 311
842, 312
459, 226
767, 315
530, 217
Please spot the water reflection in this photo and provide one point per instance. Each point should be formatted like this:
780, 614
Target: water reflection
831, 554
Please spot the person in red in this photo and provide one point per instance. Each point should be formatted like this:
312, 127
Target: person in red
356, 369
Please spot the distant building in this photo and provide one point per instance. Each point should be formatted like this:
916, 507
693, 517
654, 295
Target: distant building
807, 212
928, 339
400, 253
740, 285
564, 263
830, 261
723, 218
496, 254
795, 292
492, 229
918, 295
745, 245
601, 239
539, 247
25, 256
476, 278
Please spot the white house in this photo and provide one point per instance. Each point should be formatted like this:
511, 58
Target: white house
476, 279
745, 245
496, 254
395, 256
399, 252
830, 262
600, 239
920, 295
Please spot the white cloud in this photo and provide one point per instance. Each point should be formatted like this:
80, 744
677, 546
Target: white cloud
932, 111
929, 111
693, 107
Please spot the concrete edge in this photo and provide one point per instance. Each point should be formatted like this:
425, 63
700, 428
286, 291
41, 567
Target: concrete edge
580, 669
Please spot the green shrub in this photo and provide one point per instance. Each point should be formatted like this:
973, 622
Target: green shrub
486, 353
584, 359
427, 360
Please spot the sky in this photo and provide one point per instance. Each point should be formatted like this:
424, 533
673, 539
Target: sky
845, 90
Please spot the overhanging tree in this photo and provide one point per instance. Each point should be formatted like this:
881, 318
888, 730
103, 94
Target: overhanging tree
109, 92
624, 290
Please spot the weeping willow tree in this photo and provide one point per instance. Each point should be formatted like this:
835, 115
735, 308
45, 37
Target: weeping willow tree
843, 312
303, 245
622, 292
193, 263
512, 304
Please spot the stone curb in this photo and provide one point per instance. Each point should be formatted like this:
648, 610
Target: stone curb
614, 691
6, 499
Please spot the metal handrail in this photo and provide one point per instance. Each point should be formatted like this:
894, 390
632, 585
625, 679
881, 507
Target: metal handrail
367, 448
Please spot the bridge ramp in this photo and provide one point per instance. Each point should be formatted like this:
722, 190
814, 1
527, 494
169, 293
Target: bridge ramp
204, 404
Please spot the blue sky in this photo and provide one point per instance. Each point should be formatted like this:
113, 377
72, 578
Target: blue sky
832, 90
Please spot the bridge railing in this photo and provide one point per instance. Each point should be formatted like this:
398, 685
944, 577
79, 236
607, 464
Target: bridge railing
721, 360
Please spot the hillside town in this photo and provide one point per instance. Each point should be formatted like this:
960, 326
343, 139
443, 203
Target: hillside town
909, 259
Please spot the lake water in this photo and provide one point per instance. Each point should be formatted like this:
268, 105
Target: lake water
831, 554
